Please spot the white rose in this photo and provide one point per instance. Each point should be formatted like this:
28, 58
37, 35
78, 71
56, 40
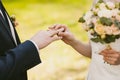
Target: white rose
105, 13
88, 15
116, 33
85, 27
94, 20
110, 5
88, 21
115, 12
95, 10
102, 6
118, 17
108, 30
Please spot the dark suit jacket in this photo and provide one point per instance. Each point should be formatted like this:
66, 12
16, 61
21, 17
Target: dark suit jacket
15, 60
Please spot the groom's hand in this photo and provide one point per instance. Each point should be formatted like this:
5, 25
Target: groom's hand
44, 38
111, 56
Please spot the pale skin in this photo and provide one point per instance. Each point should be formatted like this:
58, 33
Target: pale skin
109, 55
68, 38
44, 38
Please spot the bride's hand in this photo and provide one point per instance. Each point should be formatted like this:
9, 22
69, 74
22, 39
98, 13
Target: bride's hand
67, 36
111, 56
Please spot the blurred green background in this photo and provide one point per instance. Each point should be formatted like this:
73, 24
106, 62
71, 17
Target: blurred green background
59, 61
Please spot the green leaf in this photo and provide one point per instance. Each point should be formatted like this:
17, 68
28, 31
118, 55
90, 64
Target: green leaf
97, 5
100, 1
117, 23
98, 39
117, 5
91, 26
107, 39
81, 20
106, 21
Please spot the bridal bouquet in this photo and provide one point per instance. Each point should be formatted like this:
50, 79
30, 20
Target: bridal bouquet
103, 22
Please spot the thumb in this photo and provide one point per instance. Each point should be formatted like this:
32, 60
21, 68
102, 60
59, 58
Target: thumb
102, 52
54, 38
61, 30
62, 34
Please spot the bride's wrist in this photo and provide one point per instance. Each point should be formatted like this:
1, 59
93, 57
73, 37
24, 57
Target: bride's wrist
73, 42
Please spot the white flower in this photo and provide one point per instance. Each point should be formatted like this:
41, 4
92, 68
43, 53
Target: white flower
85, 27
99, 29
110, 5
88, 15
88, 21
94, 20
95, 10
116, 33
108, 30
93, 25
118, 17
102, 6
105, 13
115, 12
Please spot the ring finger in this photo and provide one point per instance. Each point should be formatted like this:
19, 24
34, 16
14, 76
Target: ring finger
109, 60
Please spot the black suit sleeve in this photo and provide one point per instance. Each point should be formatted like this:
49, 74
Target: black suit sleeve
19, 59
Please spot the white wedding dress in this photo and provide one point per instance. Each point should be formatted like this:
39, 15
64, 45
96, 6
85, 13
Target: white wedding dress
99, 70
